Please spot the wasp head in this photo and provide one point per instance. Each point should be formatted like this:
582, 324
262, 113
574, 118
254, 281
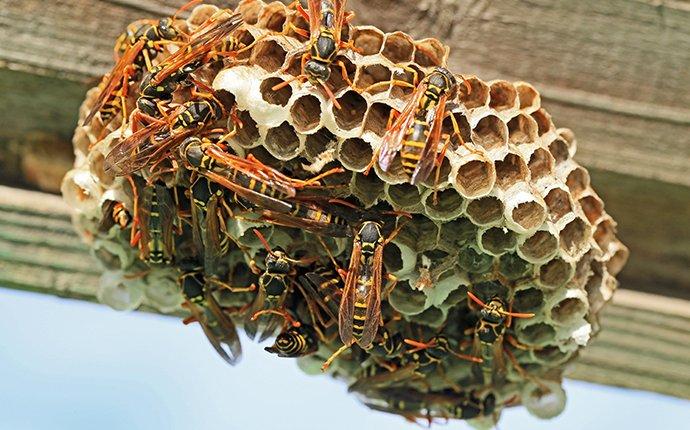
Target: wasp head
166, 29
317, 72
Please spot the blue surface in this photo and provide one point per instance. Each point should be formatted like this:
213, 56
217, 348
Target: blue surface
72, 365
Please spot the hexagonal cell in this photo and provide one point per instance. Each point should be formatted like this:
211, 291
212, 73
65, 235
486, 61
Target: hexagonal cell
448, 204
513, 267
530, 100
97, 168
410, 74
367, 76
430, 52
522, 129
278, 97
618, 260
472, 261
398, 47
569, 137
605, 233
543, 119
268, 54
503, 96
577, 181
272, 17
403, 195
367, 188
250, 10
458, 232
443, 172
569, 310
485, 211
282, 142
559, 150
352, 111
536, 334
455, 120
556, 273
497, 240
355, 154
200, 14
377, 118
337, 82
475, 178
544, 399
406, 300
511, 170
551, 355
490, 133
592, 206
540, 164
306, 113
540, 246
529, 215
368, 40
319, 142
248, 135
558, 201
478, 95
432, 317
392, 258
528, 300
421, 232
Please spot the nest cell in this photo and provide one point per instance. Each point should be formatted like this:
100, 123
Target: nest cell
377, 118
559, 150
272, 17
536, 333
403, 196
472, 261
522, 129
367, 188
605, 233
544, 123
511, 170
369, 75
474, 177
96, 161
306, 113
544, 404
577, 181
559, 203
555, 273
541, 164
250, 10
282, 142
490, 133
367, 39
574, 237
571, 309
592, 207
445, 206
353, 107
478, 96
530, 100
398, 47
497, 240
485, 211
569, 137
355, 154
430, 317
430, 52
410, 74
524, 211
317, 143
278, 97
458, 232
248, 135
503, 96
618, 259
528, 300
406, 300
268, 54
511, 266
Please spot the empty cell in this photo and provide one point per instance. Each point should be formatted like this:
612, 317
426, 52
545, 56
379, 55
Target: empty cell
443, 172
278, 97
367, 188
528, 96
522, 129
490, 132
392, 258
618, 260
317, 143
497, 240
486, 210
432, 317
355, 154
367, 40
559, 150
293, 65
298, 21
577, 181
377, 118
558, 201
423, 232
475, 178
272, 17
503, 95
513, 267
448, 204
540, 164
511, 170
478, 96
306, 113
97, 168
538, 333
410, 74
569, 137
245, 38
372, 74
403, 195
473, 261
543, 120
529, 215
250, 10
200, 14
605, 233
430, 52
406, 300
248, 134
353, 107
556, 273
593, 207
398, 47
268, 55
528, 300
282, 141
550, 354
568, 310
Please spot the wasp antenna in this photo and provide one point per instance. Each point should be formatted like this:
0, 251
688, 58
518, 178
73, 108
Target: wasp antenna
476, 299
263, 240
517, 315
185, 7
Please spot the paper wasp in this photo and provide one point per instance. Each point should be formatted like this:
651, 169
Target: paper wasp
153, 223
135, 49
326, 19
216, 324
295, 341
489, 332
416, 132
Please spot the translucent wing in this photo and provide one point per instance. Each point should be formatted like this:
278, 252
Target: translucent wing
347, 304
339, 7
428, 156
314, 9
211, 237
167, 215
373, 314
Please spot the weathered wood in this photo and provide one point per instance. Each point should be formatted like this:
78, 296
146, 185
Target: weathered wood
644, 344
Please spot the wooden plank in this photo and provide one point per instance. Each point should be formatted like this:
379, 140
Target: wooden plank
644, 343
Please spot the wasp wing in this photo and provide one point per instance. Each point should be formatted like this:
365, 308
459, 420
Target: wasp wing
373, 311
314, 9
428, 156
346, 312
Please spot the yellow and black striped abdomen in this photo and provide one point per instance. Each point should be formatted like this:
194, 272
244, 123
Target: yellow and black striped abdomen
413, 144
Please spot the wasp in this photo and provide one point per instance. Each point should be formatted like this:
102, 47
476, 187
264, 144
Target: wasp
322, 289
311, 217
151, 144
153, 223
326, 19
489, 334
295, 341
216, 324
359, 314
416, 132
135, 49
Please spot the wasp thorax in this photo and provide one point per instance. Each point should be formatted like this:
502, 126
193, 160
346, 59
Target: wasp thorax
317, 72
192, 151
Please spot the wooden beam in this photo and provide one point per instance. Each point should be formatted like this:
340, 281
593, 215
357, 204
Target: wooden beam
644, 344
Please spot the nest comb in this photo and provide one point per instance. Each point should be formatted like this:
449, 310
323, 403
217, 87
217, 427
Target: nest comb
512, 201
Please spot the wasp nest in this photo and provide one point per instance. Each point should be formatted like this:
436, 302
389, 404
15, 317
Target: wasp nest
513, 215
